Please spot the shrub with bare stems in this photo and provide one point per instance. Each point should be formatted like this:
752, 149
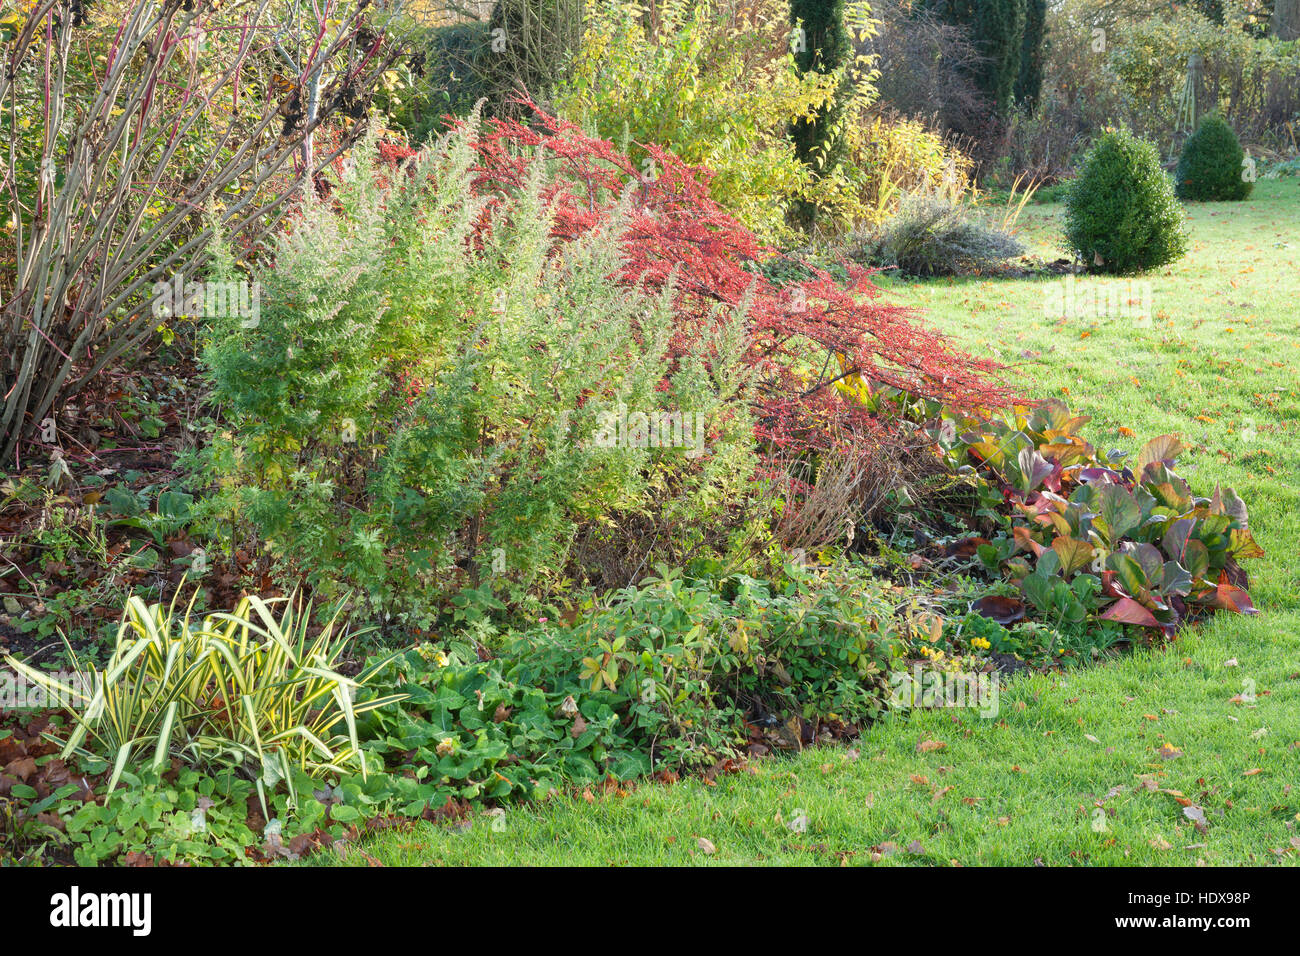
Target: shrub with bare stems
134, 138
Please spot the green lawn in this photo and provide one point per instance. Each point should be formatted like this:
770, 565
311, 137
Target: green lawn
1217, 364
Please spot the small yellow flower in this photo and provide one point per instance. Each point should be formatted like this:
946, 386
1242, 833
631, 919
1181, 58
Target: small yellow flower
981, 643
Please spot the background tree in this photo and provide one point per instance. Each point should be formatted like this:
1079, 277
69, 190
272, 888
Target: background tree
1029, 81
997, 27
529, 46
823, 47
930, 65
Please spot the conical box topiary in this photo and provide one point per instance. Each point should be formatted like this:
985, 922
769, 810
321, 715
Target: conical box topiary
1121, 215
1211, 167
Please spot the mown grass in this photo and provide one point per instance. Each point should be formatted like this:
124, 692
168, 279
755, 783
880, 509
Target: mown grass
1218, 365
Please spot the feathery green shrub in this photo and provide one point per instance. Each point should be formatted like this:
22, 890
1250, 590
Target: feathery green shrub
438, 395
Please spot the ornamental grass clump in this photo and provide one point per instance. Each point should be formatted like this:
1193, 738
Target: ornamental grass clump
935, 236
245, 690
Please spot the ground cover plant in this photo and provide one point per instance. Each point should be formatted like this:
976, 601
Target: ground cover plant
722, 436
1133, 534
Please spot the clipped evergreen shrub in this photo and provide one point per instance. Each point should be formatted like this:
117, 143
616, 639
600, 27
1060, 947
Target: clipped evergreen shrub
1209, 169
1121, 215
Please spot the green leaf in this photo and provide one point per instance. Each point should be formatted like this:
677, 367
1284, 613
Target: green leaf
1038, 590
1073, 554
1120, 511
342, 813
1175, 579
1129, 573
175, 504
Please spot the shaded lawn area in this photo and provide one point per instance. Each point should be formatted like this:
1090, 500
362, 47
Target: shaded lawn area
1217, 364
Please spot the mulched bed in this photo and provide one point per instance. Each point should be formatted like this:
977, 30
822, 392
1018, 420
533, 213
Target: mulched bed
124, 431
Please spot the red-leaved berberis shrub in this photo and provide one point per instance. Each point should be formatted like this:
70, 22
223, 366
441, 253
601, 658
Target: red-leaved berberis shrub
803, 336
